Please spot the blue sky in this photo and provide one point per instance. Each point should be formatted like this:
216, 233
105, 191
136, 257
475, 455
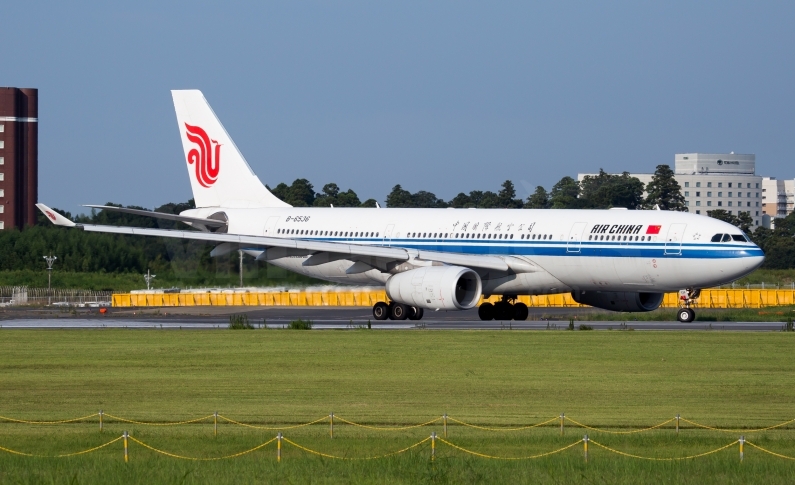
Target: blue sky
437, 96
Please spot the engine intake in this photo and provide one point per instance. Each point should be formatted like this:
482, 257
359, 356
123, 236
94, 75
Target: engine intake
436, 287
619, 301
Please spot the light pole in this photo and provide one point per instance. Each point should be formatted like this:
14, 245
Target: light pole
240, 252
148, 278
50, 261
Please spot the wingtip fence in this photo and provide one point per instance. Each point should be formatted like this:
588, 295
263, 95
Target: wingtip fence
433, 438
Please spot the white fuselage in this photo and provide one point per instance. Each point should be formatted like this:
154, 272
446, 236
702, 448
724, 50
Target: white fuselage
549, 251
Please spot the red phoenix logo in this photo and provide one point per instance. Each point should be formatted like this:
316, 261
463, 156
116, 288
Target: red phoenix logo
206, 160
50, 215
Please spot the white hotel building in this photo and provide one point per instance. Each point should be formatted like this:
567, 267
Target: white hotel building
713, 181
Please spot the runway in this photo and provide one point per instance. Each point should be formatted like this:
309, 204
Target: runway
337, 318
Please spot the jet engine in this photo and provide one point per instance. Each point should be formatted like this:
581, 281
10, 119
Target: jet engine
619, 301
436, 287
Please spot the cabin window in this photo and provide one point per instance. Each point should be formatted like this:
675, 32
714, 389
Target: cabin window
511, 236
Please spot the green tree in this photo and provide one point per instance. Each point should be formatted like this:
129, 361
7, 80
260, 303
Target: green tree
331, 195
605, 190
538, 200
564, 194
506, 198
399, 197
742, 220
664, 191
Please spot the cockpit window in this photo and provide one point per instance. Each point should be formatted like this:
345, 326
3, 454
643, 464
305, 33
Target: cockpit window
726, 238
739, 237
717, 237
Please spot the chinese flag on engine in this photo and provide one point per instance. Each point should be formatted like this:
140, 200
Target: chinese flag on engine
653, 230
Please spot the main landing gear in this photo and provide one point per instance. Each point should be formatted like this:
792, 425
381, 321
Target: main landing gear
506, 309
396, 311
685, 314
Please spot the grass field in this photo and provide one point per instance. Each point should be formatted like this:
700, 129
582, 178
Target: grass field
616, 380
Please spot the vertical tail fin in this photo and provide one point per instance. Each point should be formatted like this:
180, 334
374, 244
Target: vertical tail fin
219, 175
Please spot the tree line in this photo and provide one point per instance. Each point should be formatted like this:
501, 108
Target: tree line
80, 251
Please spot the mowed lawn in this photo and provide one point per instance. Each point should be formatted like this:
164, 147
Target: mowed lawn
508, 377
615, 379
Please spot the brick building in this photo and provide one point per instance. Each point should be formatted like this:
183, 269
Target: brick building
19, 156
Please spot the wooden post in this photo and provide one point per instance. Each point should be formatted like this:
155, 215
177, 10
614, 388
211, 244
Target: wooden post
126, 456
331, 425
279, 447
215, 423
742, 442
585, 446
445, 425
100, 420
677, 424
433, 446
562, 418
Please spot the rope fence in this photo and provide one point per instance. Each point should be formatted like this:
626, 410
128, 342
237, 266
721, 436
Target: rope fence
433, 438
104, 418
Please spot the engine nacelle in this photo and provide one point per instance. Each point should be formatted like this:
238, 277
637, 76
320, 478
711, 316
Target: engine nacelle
436, 287
619, 301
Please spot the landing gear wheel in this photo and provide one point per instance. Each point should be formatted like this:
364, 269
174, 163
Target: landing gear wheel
520, 311
398, 311
380, 311
503, 311
486, 311
415, 313
686, 315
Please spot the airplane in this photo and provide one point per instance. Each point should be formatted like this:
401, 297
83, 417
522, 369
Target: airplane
446, 259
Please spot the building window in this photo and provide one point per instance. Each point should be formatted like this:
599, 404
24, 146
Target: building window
730, 194
757, 194
687, 203
740, 195
2, 160
687, 184
709, 203
720, 194
698, 194
2, 193
757, 185
2, 208
720, 203
720, 184
709, 184
2, 144
698, 202
2, 128
757, 204
730, 204
757, 212
698, 212
698, 184
2, 225
687, 194
748, 204
709, 194
2, 176
748, 194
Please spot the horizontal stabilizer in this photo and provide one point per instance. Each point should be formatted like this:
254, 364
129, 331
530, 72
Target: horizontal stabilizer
162, 215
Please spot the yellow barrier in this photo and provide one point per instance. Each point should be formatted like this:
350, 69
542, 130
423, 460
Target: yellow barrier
715, 298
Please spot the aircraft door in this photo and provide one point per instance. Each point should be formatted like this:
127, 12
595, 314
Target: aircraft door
388, 234
673, 241
574, 243
270, 226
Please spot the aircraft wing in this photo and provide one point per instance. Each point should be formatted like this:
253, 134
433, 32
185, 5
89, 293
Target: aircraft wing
194, 221
335, 250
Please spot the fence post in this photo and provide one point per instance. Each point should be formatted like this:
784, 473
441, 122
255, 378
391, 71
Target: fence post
445, 425
742, 442
433, 446
677, 424
100, 420
215, 423
585, 446
562, 418
331, 425
279, 447
126, 456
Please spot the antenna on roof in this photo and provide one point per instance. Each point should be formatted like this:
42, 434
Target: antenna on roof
377, 205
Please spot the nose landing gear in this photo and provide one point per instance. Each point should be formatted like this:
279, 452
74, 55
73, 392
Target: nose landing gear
506, 309
688, 297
